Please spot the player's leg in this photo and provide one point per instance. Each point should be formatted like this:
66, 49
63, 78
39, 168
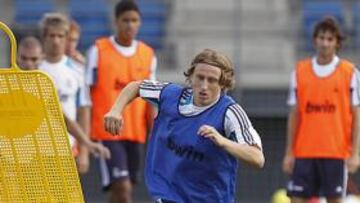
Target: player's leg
333, 179
115, 173
121, 191
303, 182
135, 153
352, 186
299, 200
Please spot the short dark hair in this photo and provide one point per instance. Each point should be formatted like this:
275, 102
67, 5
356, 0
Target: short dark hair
125, 5
29, 42
329, 24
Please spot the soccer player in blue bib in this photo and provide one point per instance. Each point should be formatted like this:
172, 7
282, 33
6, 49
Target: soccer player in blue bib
198, 134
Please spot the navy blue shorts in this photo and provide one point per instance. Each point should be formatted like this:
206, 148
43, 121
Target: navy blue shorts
126, 162
318, 177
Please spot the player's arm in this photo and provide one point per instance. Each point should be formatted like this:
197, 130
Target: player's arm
151, 110
248, 153
240, 140
74, 129
353, 161
83, 109
113, 120
91, 69
83, 115
356, 130
83, 119
292, 122
291, 129
146, 89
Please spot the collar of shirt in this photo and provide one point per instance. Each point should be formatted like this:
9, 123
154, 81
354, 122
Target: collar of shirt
126, 51
190, 109
327, 69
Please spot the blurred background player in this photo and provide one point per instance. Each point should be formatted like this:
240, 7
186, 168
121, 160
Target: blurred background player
113, 62
30, 53
73, 42
67, 76
83, 113
323, 124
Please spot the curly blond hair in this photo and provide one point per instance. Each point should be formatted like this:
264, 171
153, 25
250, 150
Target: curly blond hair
217, 59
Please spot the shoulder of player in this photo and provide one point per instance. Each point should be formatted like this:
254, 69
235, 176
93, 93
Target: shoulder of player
74, 65
144, 45
42, 65
235, 110
304, 61
348, 65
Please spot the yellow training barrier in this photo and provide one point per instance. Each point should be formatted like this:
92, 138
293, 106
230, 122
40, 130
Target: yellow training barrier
36, 164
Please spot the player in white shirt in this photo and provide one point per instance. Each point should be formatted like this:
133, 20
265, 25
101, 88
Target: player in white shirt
69, 81
67, 76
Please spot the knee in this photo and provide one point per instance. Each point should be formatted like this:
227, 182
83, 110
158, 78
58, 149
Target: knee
121, 189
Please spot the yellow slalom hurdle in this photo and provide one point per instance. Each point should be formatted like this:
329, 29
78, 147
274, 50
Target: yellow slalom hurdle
36, 164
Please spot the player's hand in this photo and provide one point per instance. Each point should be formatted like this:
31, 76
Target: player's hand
353, 163
98, 150
113, 123
288, 164
211, 133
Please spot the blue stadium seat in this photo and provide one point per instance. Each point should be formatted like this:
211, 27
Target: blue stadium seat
152, 28
93, 18
154, 15
154, 9
94, 7
88, 40
356, 24
156, 42
314, 11
30, 12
